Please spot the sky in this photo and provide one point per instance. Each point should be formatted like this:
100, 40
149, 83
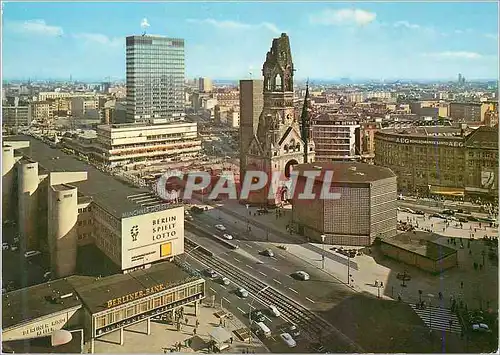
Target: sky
229, 40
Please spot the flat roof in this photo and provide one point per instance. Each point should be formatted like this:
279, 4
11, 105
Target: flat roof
96, 292
106, 190
347, 172
43, 345
421, 243
433, 132
26, 304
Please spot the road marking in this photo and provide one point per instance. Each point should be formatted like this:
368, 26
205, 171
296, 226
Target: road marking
225, 299
248, 245
248, 266
291, 289
237, 260
275, 269
269, 319
224, 287
277, 281
272, 257
239, 309
273, 338
249, 305
213, 290
260, 272
310, 300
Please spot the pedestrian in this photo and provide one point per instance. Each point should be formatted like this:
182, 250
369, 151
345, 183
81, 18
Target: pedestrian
187, 321
220, 322
231, 340
194, 331
462, 283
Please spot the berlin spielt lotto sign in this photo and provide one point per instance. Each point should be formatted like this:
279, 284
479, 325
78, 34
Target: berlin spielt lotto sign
196, 181
163, 228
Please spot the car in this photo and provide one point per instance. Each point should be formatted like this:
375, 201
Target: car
302, 275
258, 316
448, 212
211, 273
472, 219
463, 220
189, 218
31, 253
13, 247
287, 338
5, 246
47, 275
438, 215
16, 239
220, 227
274, 310
227, 236
318, 348
240, 291
267, 252
293, 330
420, 213
481, 327
224, 281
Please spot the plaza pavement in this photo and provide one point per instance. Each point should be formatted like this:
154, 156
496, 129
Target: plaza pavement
163, 336
480, 286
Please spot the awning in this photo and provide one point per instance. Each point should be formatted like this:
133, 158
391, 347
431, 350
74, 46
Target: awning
219, 335
446, 191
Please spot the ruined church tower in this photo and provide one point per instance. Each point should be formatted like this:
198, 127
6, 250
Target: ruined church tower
278, 143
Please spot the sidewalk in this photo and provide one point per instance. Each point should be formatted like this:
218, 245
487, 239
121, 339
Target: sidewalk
164, 336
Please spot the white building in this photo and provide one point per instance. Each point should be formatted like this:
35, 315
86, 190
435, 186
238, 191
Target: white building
121, 144
64, 203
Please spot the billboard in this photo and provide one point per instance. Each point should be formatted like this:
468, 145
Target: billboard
151, 237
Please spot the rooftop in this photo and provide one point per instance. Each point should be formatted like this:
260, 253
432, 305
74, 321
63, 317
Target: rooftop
33, 302
347, 172
427, 131
484, 137
115, 196
421, 243
95, 293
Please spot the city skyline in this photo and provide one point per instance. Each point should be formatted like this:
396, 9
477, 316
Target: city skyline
426, 41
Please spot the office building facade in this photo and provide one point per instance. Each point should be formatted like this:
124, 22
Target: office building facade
155, 78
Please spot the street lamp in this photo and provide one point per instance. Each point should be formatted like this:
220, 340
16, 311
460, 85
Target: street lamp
323, 255
248, 221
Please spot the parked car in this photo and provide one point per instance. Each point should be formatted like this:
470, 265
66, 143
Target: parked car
242, 292
189, 218
274, 310
301, 275
419, 212
220, 227
31, 253
227, 236
5, 246
438, 215
267, 252
224, 281
448, 212
13, 247
481, 328
287, 338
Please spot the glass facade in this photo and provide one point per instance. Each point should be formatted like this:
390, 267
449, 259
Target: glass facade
155, 78
148, 307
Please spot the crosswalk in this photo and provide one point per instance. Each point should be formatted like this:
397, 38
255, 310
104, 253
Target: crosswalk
438, 318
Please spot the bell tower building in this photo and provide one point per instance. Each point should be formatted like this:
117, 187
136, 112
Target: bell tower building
279, 142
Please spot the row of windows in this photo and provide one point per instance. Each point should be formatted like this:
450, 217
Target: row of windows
85, 222
84, 236
157, 302
86, 209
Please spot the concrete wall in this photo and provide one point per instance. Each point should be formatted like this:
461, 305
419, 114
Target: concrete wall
28, 181
410, 258
62, 231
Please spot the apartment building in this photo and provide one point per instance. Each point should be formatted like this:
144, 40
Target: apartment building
42, 110
122, 144
205, 85
468, 112
16, 116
